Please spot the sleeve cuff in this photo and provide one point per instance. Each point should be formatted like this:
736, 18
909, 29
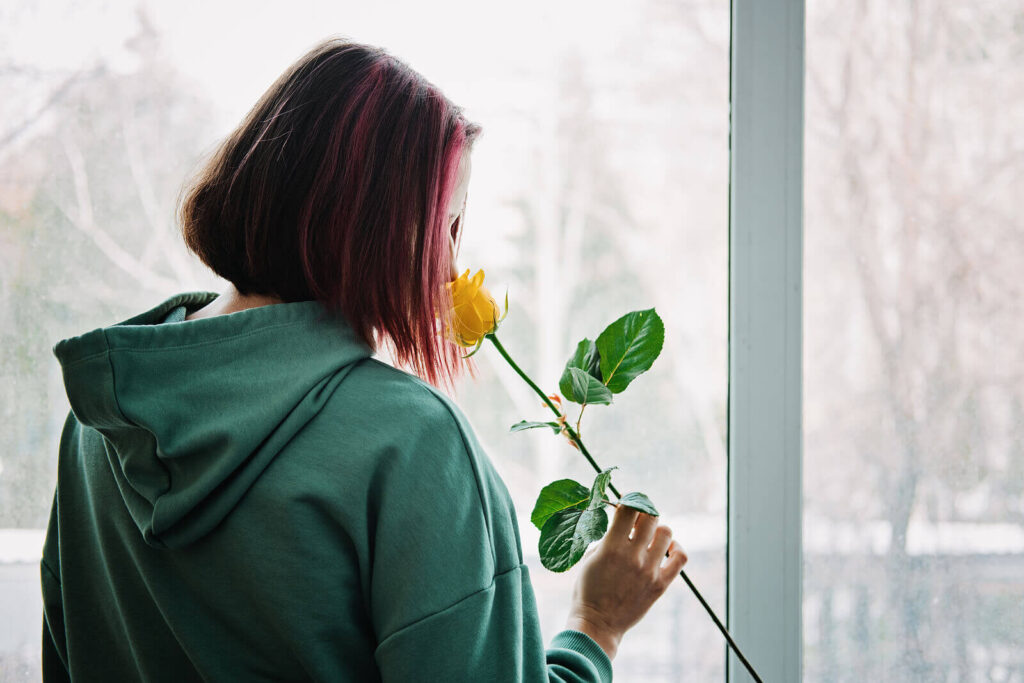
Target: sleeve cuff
580, 642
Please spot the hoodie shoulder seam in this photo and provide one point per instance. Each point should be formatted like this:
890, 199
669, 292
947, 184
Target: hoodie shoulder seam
454, 605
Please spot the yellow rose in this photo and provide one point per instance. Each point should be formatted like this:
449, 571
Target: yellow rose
474, 310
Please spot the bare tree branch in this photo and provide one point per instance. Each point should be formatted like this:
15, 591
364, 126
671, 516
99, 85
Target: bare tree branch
83, 220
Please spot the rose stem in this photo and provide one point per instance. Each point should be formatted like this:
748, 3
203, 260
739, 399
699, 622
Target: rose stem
583, 449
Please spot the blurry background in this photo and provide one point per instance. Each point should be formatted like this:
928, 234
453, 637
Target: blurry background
599, 186
913, 340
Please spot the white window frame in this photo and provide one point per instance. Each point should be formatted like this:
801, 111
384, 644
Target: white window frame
765, 557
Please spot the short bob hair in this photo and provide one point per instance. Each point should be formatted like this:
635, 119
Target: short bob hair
335, 188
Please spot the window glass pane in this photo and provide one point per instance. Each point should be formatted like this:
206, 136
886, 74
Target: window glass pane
914, 404
599, 186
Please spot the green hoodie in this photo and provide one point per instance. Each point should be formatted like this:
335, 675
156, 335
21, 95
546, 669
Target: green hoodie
252, 497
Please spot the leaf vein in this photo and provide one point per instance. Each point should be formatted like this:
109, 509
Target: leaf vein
624, 354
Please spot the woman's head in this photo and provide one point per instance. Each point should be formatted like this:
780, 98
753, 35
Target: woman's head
341, 185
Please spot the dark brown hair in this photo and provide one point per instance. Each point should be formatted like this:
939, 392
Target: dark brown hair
335, 187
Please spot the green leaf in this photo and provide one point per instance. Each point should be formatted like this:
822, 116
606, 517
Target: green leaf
629, 346
638, 501
579, 386
597, 491
559, 495
586, 358
523, 424
565, 535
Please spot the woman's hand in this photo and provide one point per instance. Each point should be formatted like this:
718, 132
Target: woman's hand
622, 577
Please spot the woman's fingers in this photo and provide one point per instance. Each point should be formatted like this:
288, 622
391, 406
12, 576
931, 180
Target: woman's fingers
645, 525
622, 522
673, 565
662, 539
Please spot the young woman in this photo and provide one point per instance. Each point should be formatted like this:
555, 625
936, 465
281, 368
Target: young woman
245, 494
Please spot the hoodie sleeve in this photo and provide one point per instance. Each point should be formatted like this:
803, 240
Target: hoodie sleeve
451, 598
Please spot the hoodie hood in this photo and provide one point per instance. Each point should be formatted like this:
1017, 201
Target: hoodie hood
192, 412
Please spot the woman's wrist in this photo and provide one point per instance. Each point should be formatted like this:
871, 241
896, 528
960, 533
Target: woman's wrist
608, 640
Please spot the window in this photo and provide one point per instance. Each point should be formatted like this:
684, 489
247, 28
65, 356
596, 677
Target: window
913, 507
600, 186
860, 248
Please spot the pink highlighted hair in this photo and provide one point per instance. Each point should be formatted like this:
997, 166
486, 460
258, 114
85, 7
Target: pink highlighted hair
335, 187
